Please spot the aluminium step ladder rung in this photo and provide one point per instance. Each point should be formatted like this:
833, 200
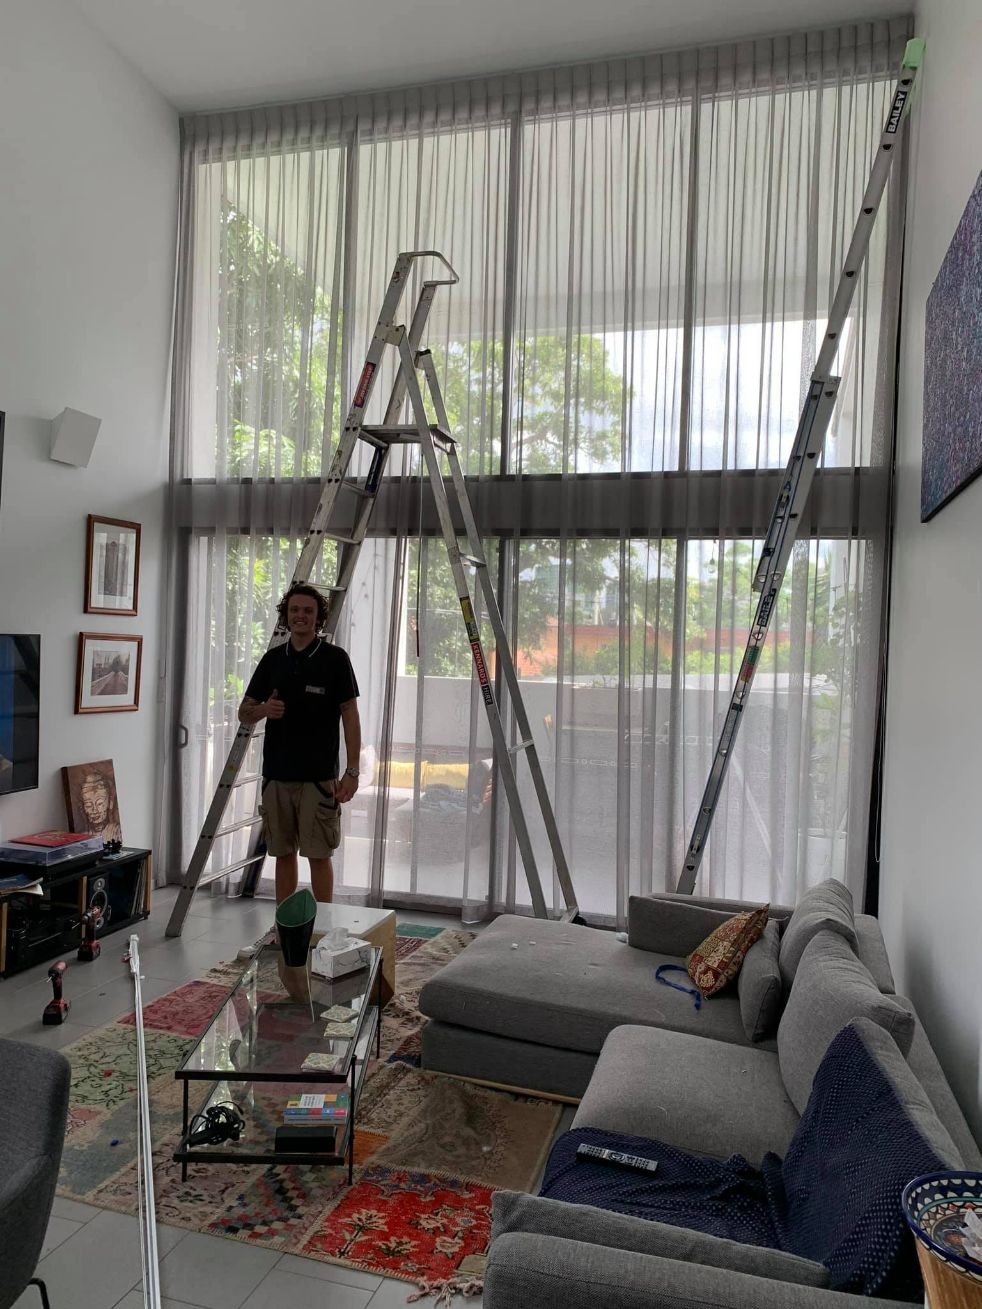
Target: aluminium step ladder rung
216, 874
816, 415
247, 779
519, 746
342, 538
327, 589
239, 825
434, 440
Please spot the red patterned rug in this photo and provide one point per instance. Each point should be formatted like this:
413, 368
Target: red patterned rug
430, 1151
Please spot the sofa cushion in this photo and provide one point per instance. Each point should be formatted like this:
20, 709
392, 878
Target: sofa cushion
872, 951
565, 986
513, 1212
911, 1093
715, 962
868, 1129
705, 1096
759, 986
924, 1064
831, 988
548, 1272
671, 927
823, 908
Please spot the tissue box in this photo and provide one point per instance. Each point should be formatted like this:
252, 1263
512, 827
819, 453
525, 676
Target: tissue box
335, 961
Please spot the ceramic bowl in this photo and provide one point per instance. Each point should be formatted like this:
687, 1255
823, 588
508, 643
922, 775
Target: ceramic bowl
935, 1206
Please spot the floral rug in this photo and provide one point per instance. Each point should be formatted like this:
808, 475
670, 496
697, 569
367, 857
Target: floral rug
429, 1151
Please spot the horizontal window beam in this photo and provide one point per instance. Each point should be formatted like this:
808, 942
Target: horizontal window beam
844, 503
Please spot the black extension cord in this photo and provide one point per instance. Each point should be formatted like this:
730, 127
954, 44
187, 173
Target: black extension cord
220, 1122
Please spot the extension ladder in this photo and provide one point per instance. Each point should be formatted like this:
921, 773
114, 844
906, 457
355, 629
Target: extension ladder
434, 440
800, 472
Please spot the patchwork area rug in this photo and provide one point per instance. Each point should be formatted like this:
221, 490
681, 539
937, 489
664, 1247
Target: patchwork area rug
429, 1151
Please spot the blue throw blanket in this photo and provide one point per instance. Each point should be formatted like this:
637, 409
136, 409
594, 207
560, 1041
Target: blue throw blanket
834, 1199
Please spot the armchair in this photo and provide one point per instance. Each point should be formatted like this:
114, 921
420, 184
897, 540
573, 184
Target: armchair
34, 1086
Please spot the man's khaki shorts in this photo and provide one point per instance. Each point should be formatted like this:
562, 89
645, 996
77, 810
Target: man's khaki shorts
301, 817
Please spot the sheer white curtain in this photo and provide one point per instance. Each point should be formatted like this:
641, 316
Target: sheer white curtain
647, 250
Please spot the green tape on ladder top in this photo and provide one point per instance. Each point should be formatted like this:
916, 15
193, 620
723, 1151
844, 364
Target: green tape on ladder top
914, 52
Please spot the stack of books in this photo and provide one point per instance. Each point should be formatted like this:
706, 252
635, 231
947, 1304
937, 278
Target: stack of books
317, 1110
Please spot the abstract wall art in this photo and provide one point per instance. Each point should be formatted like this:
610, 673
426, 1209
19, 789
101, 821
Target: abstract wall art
952, 436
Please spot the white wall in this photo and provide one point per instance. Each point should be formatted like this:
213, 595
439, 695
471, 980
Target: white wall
931, 893
88, 195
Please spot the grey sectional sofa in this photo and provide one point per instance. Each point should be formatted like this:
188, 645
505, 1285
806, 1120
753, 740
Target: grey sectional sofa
573, 1012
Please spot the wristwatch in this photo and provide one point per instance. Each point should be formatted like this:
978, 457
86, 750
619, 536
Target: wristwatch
352, 772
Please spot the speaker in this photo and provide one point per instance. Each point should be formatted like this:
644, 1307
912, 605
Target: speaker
73, 435
117, 894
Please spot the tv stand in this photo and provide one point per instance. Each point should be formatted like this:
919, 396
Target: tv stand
38, 928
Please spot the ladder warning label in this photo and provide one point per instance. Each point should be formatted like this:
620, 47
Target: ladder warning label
363, 384
472, 633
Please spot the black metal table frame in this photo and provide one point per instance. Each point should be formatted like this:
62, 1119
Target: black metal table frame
186, 1154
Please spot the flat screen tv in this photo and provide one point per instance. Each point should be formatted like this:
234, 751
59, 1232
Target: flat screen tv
20, 681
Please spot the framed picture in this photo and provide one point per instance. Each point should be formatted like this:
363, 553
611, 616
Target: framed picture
107, 679
91, 800
112, 566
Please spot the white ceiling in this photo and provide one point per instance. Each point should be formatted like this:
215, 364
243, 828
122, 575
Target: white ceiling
211, 54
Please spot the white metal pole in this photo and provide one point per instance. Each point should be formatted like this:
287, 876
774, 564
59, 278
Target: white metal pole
144, 1164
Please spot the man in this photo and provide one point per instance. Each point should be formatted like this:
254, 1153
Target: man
304, 689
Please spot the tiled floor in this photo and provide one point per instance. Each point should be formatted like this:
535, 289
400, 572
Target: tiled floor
91, 1257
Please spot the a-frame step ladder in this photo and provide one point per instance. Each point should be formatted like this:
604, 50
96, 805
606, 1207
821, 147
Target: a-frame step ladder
435, 440
808, 444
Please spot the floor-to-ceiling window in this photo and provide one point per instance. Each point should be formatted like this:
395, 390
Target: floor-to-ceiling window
646, 251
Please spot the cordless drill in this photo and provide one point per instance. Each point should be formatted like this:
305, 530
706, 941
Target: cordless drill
90, 948
56, 1010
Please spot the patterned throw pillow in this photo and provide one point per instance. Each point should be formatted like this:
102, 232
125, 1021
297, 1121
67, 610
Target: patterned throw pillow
716, 961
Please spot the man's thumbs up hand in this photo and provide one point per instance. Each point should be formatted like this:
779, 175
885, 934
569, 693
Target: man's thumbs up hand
274, 706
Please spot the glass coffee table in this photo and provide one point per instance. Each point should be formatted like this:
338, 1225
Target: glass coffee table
268, 1043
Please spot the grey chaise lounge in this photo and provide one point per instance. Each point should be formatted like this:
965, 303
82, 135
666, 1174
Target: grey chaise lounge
529, 1004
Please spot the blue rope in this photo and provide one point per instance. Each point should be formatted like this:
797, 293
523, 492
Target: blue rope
688, 990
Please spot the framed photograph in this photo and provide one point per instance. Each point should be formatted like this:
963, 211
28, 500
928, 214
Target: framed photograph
112, 566
91, 800
107, 679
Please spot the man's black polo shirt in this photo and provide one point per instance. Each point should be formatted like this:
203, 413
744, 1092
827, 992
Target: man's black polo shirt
314, 683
